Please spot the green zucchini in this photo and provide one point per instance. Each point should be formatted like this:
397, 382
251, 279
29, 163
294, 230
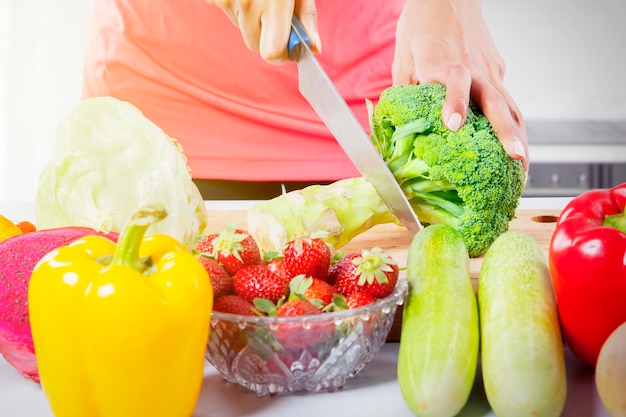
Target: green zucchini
439, 343
522, 355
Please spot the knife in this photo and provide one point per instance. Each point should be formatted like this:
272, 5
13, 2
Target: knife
320, 92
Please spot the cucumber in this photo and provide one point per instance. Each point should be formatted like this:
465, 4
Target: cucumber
439, 343
522, 355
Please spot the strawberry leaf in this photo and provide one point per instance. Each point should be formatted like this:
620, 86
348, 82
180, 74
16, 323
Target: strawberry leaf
266, 306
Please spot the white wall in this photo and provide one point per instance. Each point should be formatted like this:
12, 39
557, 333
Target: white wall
41, 44
565, 59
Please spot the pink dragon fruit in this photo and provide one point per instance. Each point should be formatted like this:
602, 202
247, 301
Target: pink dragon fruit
18, 256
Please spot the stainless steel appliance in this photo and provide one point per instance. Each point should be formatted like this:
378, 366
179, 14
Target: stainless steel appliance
569, 157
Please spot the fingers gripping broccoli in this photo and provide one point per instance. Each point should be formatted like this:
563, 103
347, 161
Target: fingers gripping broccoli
464, 178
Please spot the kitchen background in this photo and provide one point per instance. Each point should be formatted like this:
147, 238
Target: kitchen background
566, 68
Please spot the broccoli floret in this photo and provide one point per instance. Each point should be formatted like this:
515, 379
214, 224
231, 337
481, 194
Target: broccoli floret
464, 178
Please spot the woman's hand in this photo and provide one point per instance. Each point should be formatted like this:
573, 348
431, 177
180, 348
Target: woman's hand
447, 41
265, 24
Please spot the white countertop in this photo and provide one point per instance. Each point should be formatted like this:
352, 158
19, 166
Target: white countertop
374, 391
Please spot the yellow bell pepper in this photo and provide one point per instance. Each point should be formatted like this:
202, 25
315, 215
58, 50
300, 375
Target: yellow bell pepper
121, 330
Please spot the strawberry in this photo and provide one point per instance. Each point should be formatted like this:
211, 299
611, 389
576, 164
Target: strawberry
342, 275
294, 336
258, 281
234, 304
316, 291
296, 307
372, 271
359, 299
230, 334
308, 256
279, 267
221, 282
233, 248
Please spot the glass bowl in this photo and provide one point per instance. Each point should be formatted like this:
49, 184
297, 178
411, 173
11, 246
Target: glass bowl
274, 355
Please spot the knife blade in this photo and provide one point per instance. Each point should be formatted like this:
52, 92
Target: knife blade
318, 89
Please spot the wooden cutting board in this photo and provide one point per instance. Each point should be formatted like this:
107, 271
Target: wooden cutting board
395, 240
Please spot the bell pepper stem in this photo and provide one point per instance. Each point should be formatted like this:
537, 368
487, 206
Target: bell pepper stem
617, 221
129, 241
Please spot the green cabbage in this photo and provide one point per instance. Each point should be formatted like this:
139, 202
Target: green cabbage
109, 161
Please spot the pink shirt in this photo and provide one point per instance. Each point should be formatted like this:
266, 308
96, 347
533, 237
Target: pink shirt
184, 64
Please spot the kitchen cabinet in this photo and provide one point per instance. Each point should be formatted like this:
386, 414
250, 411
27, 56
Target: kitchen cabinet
569, 157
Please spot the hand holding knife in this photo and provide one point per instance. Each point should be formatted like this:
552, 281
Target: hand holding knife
323, 96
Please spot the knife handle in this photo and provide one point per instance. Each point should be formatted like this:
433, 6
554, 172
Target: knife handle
296, 37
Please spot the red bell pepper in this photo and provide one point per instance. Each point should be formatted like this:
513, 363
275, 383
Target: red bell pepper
587, 259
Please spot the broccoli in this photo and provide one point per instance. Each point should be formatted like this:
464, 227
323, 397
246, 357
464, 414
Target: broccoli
464, 178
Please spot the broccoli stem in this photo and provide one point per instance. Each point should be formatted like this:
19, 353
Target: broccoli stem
336, 212
447, 201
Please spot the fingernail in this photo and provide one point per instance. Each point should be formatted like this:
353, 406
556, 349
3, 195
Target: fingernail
318, 42
518, 148
454, 121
